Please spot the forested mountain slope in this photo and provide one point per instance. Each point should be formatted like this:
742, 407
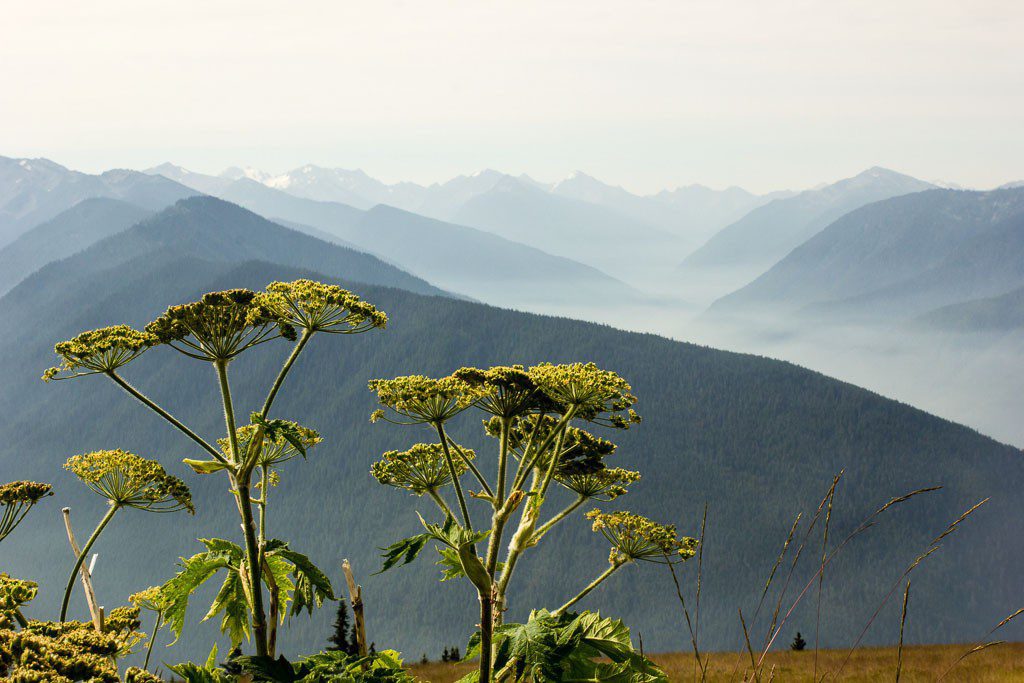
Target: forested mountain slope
73, 230
948, 242
756, 439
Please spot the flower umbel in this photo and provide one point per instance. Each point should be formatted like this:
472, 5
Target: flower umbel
594, 394
634, 537
219, 326
16, 499
151, 599
504, 390
96, 351
13, 594
127, 480
605, 484
420, 469
317, 307
423, 399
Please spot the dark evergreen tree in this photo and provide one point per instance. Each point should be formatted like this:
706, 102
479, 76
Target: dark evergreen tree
455, 655
798, 643
424, 660
373, 650
445, 657
343, 639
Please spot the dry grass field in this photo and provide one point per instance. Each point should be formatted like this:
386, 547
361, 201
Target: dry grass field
1002, 663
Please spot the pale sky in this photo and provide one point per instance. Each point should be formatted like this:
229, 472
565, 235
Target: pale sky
758, 93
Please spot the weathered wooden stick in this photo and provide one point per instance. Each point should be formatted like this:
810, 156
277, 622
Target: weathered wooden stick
356, 596
90, 594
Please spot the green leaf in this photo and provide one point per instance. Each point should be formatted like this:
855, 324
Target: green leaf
280, 569
195, 571
232, 601
211, 659
312, 586
403, 552
205, 466
474, 568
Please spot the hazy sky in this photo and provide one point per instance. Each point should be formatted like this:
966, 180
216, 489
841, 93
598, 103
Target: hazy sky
762, 93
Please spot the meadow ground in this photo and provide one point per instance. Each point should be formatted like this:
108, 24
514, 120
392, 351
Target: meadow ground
1002, 663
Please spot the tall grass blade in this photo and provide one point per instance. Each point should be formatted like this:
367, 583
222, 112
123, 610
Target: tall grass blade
700, 575
983, 646
935, 546
686, 613
821, 570
746, 637
866, 524
903, 622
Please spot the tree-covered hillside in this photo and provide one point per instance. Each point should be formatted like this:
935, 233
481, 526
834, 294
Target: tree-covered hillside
756, 439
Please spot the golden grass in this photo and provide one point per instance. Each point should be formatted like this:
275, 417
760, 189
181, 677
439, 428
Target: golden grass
999, 664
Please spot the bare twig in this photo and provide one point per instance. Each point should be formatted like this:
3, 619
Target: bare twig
90, 594
356, 597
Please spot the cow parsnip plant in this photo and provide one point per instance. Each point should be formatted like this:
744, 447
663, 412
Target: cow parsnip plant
530, 412
215, 330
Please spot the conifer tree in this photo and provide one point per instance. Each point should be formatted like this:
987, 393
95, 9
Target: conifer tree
341, 640
798, 643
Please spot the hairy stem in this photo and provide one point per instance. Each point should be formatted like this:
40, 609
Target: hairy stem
436, 497
472, 467
612, 568
81, 559
565, 512
152, 638
296, 350
145, 400
486, 629
455, 476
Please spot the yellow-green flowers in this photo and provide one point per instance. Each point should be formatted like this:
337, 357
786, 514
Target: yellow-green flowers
96, 351
151, 599
594, 394
13, 594
219, 326
127, 480
421, 399
634, 537
16, 499
421, 469
604, 484
316, 307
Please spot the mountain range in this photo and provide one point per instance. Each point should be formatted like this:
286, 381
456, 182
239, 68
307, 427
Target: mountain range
750, 246
757, 439
36, 190
896, 259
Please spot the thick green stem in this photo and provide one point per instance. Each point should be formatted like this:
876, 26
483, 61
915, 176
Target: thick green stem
81, 559
20, 618
240, 483
486, 630
591, 586
500, 513
455, 476
152, 638
252, 552
145, 400
296, 350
